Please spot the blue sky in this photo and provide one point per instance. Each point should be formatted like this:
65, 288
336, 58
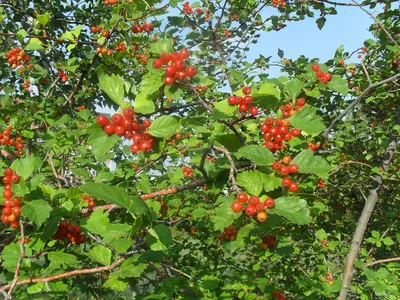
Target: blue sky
349, 28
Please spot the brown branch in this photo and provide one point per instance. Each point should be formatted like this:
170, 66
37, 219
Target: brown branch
352, 104
58, 177
176, 270
7, 155
19, 262
221, 16
381, 261
338, 167
41, 37
232, 171
201, 101
67, 274
237, 133
91, 63
150, 12
367, 212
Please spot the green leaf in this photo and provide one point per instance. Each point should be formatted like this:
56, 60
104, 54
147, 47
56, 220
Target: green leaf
223, 110
60, 259
292, 208
280, 53
34, 44
294, 87
21, 34
309, 163
115, 284
306, 119
97, 223
224, 216
321, 22
209, 282
164, 233
36, 211
173, 91
252, 181
338, 84
101, 142
162, 46
113, 86
267, 96
257, 154
117, 195
110, 194
100, 254
24, 166
43, 19
320, 234
143, 104
163, 127
271, 182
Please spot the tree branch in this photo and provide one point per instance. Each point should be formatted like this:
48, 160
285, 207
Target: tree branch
352, 104
366, 213
19, 262
381, 261
232, 171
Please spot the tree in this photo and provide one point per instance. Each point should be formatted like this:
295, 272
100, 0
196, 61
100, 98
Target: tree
227, 183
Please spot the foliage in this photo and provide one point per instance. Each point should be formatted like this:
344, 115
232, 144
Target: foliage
100, 218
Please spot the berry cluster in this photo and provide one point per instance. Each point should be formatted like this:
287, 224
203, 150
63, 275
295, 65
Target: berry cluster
324, 243
328, 277
276, 3
177, 71
187, 10
278, 295
227, 33
104, 51
63, 76
201, 88
275, 131
17, 57
95, 29
147, 27
288, 109
321, 184
268, 241
126, 125
6, 139
229, 234
255, 206
12, 206
244, 102
321, 75
27, 84
121, 47
313, 147
110, 2
285, 170
187, 171
71, 232
88, 200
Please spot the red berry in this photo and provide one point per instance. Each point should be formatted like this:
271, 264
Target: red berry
168, 80
284, 171
7, 194
248, 100
293, 169
254, 200
135, 148
250, 210
286, 159
191, 71
119, 130
246, 90
8, 171
232, 100
260, 207
242, 197
16, 211
328, 76
286, 182
157, 64
295, 132
262, 216
253, 110
315, 67
301, 102
184, 53
147, 123
170, 70
243, 107
102, 120
276, 166
109, 129
15, 178
236, 206
269, 203
117, 119
165, 58
293, 187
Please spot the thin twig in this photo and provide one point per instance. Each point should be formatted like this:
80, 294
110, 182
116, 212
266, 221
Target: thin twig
235, 131
232, 171
366, 73
352, 104
19, 262
338, 167
381, 261
176, 270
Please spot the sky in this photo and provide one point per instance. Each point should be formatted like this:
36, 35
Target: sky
349, 28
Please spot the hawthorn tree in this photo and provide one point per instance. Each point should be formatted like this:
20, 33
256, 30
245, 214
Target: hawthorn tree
209, 179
